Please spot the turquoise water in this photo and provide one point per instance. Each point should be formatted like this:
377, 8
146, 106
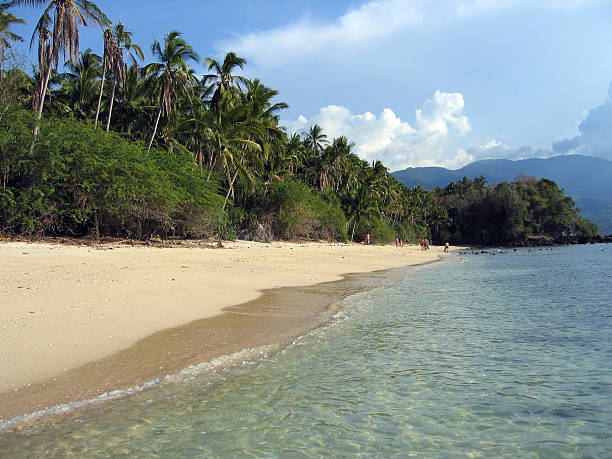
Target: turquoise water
507, 355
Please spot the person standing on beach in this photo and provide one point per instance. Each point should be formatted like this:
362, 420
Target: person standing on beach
367, 240
446, 246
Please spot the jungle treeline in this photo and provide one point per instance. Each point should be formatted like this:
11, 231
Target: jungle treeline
107, 145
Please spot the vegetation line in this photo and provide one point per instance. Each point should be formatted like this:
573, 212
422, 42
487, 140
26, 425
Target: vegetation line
189, 156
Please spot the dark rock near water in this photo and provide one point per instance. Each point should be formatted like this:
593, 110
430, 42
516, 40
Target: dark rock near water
542, 241
560, 240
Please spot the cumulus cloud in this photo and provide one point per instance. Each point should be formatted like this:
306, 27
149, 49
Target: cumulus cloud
439, 135
566, 145
595, 137
491, 149
433, 141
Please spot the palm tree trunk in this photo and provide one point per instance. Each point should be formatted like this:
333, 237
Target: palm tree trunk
43, 93
110, 108
212, 161
155, 128
229, 190
100, 95
200, 156
2, 62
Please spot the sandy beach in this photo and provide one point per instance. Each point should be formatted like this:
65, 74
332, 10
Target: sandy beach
64, 307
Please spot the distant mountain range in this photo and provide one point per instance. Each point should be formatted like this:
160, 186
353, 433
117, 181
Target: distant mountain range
586, 179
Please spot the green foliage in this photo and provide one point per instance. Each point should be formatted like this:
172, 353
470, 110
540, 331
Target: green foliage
380, 232
509, 212
411, 233
80, 180
298, 212
223, 163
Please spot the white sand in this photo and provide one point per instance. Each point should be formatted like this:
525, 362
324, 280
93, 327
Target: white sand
62, 306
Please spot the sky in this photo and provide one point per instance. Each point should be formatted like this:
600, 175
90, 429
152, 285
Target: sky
409, 82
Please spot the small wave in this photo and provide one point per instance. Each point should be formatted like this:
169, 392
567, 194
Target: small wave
243, 357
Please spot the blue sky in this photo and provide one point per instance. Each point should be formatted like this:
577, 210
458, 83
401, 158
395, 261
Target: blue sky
411, 82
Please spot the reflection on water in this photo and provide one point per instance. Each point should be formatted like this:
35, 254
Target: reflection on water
504, 355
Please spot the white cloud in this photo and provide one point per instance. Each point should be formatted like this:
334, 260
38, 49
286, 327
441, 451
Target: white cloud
373, 20
491, 149
494, 149
442, 112
595, 137
439, 125
439, 135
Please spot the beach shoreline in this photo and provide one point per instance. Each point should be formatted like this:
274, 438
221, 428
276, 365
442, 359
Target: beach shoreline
79, 321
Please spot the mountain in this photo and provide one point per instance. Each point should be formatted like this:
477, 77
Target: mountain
587, 179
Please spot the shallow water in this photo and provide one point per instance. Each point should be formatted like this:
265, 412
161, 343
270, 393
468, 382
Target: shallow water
507, 355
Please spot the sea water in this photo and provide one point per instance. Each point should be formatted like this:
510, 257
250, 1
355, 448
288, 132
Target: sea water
505, 355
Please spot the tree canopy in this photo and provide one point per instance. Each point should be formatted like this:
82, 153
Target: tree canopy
206, 156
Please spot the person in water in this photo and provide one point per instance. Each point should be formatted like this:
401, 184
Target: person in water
446, 247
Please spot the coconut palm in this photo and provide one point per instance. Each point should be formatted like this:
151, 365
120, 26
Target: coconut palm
332, 164
295, 153
109, 44
122, 43
80, 83
316, 140
60, 33
45, 46
362, 207
228, 141
171, 74
262, 112
6, 36
221, 82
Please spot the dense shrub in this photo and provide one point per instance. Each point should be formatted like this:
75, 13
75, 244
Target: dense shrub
296, 212
411, 233
80, 180
380, 232
509, 212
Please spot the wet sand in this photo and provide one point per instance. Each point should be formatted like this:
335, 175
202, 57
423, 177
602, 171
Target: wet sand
77, 322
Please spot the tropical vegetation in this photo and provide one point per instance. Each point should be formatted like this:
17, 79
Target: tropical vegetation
107, 145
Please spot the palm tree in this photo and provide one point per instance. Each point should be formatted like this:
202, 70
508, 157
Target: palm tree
44, 59
316, 140
80, 83
222, 80
333, 162
262, 114
295, 152
109, 45
122, 42
67, 16
133, 103
6, 36
362, 207
171, 74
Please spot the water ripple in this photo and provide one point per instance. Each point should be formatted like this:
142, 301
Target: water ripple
506, 356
